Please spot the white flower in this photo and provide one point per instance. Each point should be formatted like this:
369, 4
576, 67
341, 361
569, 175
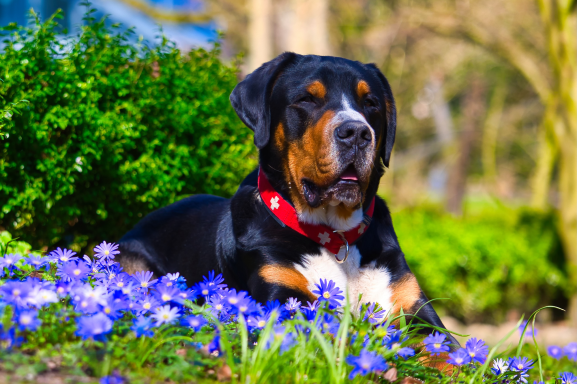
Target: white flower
165, 314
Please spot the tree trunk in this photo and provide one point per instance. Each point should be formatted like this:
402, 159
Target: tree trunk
260, 33
560, 19
473, 107
490, 133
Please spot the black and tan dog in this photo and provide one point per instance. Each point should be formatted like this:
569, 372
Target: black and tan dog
324, 127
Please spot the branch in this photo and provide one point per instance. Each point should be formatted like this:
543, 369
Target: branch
493, 41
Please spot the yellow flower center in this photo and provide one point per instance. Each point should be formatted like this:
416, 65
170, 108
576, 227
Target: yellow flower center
16, 292
165, 316
120, 284
165, 297
25, 320
106, 253
205, 292
144, 284
146, 306
232, 300
326, 295
77, 272
261, 323
107, 310
437, 345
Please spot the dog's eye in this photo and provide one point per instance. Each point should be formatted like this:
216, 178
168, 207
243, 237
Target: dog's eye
306, 99
370, 103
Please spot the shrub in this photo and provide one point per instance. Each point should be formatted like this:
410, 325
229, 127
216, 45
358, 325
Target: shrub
486, 263
110, 130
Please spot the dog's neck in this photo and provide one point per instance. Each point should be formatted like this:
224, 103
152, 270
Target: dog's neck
332, 216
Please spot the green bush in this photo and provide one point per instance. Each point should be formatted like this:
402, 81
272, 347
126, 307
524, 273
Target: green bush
109, 131
486, 264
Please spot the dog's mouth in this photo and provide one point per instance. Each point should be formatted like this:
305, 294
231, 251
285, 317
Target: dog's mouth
345, 189
349, 176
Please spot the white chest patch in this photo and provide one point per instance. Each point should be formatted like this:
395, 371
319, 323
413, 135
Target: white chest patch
372, 282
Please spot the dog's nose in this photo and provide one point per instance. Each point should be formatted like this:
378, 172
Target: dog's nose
353, 133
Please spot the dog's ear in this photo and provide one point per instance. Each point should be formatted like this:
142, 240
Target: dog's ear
391, 119
251, 97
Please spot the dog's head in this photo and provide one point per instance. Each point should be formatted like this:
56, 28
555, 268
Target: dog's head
322, 125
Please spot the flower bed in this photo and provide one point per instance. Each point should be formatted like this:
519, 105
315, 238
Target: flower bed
85, 317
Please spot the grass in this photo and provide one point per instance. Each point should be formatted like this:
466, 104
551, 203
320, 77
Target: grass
303, 346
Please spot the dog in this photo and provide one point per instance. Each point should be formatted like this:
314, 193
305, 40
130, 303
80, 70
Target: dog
324, 127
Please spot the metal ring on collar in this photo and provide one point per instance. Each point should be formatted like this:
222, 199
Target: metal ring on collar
346, 247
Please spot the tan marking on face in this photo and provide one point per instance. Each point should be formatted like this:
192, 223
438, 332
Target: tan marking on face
279, 138
363, 89
406, 292
310, 157
287, 277
317, 89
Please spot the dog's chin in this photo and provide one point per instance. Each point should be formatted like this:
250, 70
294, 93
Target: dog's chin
344, 192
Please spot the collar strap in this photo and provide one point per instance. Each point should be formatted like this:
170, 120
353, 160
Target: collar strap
324, 235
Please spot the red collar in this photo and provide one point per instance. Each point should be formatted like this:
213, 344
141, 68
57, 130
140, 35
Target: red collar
286, 214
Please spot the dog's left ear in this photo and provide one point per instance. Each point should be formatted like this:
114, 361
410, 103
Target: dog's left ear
391, 119
251, 97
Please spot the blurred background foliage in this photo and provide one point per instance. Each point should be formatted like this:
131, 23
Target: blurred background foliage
482, 182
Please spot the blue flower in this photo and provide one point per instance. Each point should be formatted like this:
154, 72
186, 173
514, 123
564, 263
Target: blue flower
500, 366
166, 294
62, 255
521, 365
205, 289
73, 270
115, 378
106, 252
292, 305
477, 349
571, 351
405, 352
257, 322
310, 310
9, 261
367, 362
328, 323
141, 326
461, 357
143, 279
555, 352
568, 378
28, 320
279, 333
327, 291
374, 314
194, 322
529, 332
276, 307
436, 343
393, 339
165, 315
96, 326
10, 338
146, 304
213, 280
16, 293
121, 281
115, 308
214, 345
36, 261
